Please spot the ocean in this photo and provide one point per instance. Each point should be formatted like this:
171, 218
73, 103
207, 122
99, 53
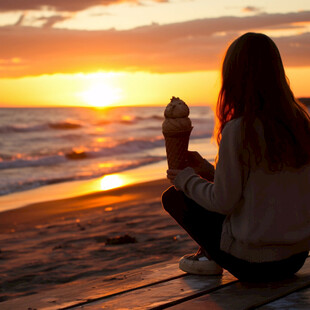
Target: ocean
43, 146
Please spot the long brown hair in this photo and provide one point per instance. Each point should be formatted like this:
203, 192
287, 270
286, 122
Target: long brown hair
254, 86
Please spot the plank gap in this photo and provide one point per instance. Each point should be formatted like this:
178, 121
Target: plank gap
83, 303
196, 295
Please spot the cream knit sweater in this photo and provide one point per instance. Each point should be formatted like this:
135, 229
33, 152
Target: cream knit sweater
268, 214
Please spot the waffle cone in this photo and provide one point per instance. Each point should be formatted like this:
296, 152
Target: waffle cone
176, 148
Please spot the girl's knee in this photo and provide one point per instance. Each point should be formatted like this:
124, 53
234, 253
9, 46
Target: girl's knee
168, 197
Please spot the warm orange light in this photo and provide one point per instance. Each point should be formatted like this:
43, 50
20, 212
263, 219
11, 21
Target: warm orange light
101, 95
112, 181
106, 165
16, 60
127, 118
102, 139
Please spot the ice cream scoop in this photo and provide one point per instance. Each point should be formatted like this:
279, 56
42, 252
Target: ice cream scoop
177, 124
177, 108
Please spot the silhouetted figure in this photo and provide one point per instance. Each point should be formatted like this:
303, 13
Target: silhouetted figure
251, 215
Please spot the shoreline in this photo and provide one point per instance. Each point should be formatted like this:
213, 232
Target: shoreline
40, 214
147, 173
144, 173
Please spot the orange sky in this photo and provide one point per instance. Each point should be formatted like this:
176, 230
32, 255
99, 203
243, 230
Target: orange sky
67, 53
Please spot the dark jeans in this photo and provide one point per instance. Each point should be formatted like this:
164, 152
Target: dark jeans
205, 228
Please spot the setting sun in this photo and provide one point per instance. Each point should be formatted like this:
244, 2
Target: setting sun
101, 95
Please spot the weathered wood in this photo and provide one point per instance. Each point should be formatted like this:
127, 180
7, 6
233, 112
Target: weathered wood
90, 289
162, 294
296, 301
248, 295
163, 286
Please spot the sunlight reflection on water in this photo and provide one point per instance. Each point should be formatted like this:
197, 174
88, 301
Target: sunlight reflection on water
112, 181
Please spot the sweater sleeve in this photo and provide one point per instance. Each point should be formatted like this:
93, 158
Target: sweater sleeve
207, 171
223, 195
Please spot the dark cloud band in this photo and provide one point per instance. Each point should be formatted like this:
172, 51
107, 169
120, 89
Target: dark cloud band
181, 47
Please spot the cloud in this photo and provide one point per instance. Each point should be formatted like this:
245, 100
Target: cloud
251, 9
52, 20
196, 45
48, 22
20, 20
58, 5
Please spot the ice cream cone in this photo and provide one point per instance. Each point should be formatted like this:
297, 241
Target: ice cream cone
176, 148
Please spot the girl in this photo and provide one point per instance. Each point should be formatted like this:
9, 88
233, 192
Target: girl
251, 215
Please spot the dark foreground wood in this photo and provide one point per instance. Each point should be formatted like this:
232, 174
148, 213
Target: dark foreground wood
164, 286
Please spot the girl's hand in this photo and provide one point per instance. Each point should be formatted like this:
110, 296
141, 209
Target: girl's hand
201, 166
194, 159
171, 174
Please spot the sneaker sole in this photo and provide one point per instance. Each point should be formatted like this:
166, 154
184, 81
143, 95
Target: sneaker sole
200, 267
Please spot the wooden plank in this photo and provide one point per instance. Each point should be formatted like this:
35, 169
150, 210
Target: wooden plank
162, 294
90, 289
157, 287
298, 301
243, 295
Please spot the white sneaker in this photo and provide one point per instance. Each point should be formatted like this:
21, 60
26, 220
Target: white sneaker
199, 264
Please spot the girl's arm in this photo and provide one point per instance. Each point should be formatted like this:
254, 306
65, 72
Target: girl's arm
201, 166
227, 190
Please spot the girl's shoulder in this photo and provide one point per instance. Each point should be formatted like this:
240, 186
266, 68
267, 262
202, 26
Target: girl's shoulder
233, 124
232, 132
237, 125
233, 127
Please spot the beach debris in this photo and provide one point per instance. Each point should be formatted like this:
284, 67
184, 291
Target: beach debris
177, 237
80, 226
124, 239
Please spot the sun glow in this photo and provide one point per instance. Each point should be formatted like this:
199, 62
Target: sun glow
112, 181
101, 95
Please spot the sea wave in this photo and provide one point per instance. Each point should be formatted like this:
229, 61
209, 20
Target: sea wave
34, 183
123, 147
17, 128
16, 163
130, 120
152, 117
52, 145
71, 125
131, 146
66, 125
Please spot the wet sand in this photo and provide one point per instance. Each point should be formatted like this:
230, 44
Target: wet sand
49, 243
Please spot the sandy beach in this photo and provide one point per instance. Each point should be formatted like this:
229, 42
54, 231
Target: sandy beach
49, 243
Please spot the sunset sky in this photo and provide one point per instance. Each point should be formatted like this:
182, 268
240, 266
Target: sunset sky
129, 52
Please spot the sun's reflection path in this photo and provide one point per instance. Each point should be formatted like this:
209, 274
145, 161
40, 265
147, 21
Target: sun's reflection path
112, 181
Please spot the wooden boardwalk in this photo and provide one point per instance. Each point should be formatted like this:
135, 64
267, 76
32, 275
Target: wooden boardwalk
163, 286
